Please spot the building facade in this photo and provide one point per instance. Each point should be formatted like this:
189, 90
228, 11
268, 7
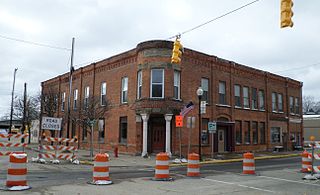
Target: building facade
311, 127
254, 110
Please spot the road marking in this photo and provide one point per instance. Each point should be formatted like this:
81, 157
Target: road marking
287, 180
254, 188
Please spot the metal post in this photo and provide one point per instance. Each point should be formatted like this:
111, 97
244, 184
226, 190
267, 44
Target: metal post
200, 127
12, 96
180, 143
91, 142
312, 158
70, 89
212, 145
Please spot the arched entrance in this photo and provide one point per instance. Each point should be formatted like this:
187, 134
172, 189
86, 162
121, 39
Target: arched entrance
225, 135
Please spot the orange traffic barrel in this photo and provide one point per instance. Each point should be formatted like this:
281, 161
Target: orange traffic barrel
306, 162
162, 167
101, 170
248, 163
17, 171
193, 169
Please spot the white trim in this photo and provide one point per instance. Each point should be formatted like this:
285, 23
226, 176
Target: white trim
16, 177
158, 84
17, 165
100, 164
162, 162
161, 171
100, 174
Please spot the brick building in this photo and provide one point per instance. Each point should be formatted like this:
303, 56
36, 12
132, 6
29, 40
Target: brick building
254, 110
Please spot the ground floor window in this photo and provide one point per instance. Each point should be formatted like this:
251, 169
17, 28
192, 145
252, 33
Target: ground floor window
255, 132
101, 130
84, 132
238, 133
262, 133
246, 127
275, 134
205, 133
123, 130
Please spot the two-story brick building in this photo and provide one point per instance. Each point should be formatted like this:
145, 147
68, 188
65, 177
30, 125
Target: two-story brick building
254, 110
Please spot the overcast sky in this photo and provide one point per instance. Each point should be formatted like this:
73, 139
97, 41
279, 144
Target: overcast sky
103, 28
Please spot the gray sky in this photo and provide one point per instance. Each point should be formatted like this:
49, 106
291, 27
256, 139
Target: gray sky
103, 28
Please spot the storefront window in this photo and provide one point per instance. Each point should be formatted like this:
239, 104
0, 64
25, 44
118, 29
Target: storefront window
205, 133
275, 134
238, 133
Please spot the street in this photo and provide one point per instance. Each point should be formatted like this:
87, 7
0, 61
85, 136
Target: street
274, 176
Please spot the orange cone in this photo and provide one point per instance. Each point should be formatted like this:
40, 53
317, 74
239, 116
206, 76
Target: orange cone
17, 172
306, 162
162, 167
101, 170
193, 165
248, 163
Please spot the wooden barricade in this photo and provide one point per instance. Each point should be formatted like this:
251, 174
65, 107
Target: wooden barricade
14, 145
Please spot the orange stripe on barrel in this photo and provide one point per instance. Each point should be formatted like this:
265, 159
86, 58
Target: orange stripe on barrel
17, 171
101, 169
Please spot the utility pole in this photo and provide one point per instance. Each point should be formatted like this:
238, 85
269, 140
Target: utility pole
24, 111
12, 96
70, 87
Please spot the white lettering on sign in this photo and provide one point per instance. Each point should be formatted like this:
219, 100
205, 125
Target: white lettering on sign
50, 123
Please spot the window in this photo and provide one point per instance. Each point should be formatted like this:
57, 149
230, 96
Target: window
275, 134
254, 98
123, 130
246, 97
262, 133
124, 90
157, 83
63, 100
75, 98
86, 96
84, 132
222, 92
176, 85
274, 102
254, 132
237, 99
291, 106
261, 100
280, 104
103, 93
297, 106
247, 139
139, 85
238, 133
55, 102
73, 129
101, 130
205, 88
205, 133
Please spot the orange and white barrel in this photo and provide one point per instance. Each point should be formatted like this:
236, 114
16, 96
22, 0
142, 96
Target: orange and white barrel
306, 162
17, 170
193, 169
248, 163
162, 166
101, 169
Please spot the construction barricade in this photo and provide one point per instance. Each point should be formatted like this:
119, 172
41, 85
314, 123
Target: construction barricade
162, 167
248, 163
193, 169
17, 172
306, 162
45, 151
101, 170
14, 145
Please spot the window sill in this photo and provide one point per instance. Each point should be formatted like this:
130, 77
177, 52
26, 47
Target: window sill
223, 105
238, 107
254, 109
246, 108
178, 100
262, 110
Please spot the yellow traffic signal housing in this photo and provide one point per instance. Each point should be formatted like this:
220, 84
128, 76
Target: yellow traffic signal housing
286, 13
176, 53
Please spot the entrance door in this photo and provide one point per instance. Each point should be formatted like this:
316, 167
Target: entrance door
158, 135
221, 141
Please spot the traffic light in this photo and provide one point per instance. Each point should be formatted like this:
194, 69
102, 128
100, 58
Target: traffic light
176, 53
286, 13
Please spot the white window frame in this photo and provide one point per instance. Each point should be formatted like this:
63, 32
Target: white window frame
162, 83
63, 101
124, 90
246, 98
139, 84
205, 88
86, 96
274, 102
280, 102
103, 92
262, 105
237, 89
176, 84
75, 98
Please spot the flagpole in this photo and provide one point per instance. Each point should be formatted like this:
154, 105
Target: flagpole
70, 87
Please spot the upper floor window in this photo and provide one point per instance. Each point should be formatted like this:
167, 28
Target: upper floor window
280, 102
246, 97
103, 93
274, 102
222, 92
63, 100
157, 83
254, 98
124, 90
139, 84
86, 96
291, 106
297, 105
176, 84
75, 99
205, 88
237, 99
261, 100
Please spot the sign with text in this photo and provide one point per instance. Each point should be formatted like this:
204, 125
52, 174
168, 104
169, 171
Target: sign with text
212, 127
179, 121
50, 123
203, 107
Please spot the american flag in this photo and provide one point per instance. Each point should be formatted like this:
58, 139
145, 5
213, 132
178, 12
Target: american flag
187, 109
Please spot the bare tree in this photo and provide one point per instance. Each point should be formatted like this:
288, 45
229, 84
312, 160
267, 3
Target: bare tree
308, 103
49, 101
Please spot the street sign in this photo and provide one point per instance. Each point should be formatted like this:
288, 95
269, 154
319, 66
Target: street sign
203, 107
179, 121
212, 127
50, 123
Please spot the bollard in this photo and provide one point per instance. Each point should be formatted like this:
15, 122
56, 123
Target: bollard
116, 151
101, 170
248, 163
306, 162
17, 172
162, 167
193, 169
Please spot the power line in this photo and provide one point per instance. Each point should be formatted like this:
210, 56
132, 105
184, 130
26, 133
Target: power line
34, 43
223, 15
298, 68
